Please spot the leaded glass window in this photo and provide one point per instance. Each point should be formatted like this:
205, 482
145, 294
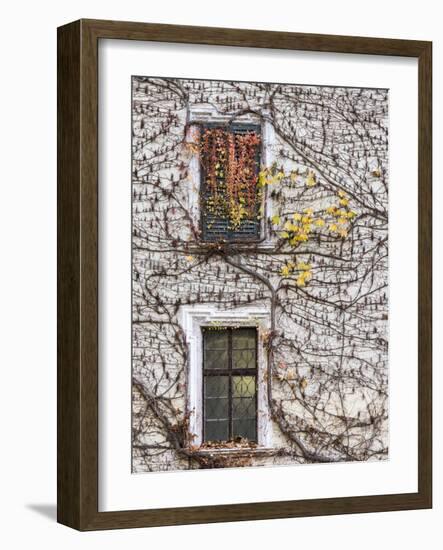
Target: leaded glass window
229, 384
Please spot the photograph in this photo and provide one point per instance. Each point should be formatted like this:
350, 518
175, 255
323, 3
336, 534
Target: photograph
260, 298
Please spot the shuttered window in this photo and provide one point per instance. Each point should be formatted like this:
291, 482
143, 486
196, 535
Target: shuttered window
230, 196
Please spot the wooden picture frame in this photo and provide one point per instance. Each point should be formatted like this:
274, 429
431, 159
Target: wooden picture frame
78, 274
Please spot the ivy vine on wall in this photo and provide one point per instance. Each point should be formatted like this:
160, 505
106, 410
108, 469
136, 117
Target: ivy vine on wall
322, 272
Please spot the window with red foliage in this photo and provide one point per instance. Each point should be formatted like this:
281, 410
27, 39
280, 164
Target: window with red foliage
230, 194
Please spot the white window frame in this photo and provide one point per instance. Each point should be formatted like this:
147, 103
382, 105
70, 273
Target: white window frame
193, 319
208, 113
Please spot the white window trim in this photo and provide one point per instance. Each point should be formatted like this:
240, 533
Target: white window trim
208, 113
192, 319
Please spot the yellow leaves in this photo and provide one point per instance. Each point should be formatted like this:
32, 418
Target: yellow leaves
303, 383
237, 212
272, 175
300, 228
189, 258
262, 178
301, 270
376, 172
269, 176
302, 237
306, 273
342, 214
310, 179
299, 231
305, 224
303, 278
290, 226
342, 231
285, 271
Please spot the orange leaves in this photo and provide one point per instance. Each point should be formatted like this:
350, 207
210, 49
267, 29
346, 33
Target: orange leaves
230, 163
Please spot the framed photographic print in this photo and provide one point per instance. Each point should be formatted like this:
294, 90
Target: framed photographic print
244, 276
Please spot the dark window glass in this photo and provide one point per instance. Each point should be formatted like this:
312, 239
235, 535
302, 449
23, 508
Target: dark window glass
230, 384
230, 196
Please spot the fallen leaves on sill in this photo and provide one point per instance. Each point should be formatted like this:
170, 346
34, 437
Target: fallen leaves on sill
236, 443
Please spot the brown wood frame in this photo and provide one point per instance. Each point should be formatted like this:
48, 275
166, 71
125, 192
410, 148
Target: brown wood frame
77, 455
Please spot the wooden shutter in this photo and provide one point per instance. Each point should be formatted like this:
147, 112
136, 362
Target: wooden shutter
215, 226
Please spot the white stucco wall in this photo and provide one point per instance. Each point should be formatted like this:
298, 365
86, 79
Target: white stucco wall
329, 359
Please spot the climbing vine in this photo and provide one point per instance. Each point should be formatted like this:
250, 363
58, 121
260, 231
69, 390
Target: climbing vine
322, 272
230, 166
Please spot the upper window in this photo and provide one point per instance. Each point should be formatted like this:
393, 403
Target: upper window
230, 196
230, 384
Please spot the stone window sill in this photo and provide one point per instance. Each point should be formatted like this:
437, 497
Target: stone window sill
233, 451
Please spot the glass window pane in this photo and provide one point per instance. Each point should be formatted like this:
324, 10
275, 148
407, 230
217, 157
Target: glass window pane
243, 386
243, 359
216, 430
243, 407
244, 338
217, 408
216, 359
216, 339
216, 386
246, 427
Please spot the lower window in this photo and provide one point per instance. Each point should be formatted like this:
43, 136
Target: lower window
230, 384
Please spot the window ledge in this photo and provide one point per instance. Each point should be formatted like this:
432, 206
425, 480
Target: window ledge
237, 451
255, 246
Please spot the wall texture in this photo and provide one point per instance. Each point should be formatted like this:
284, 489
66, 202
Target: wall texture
320, 268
